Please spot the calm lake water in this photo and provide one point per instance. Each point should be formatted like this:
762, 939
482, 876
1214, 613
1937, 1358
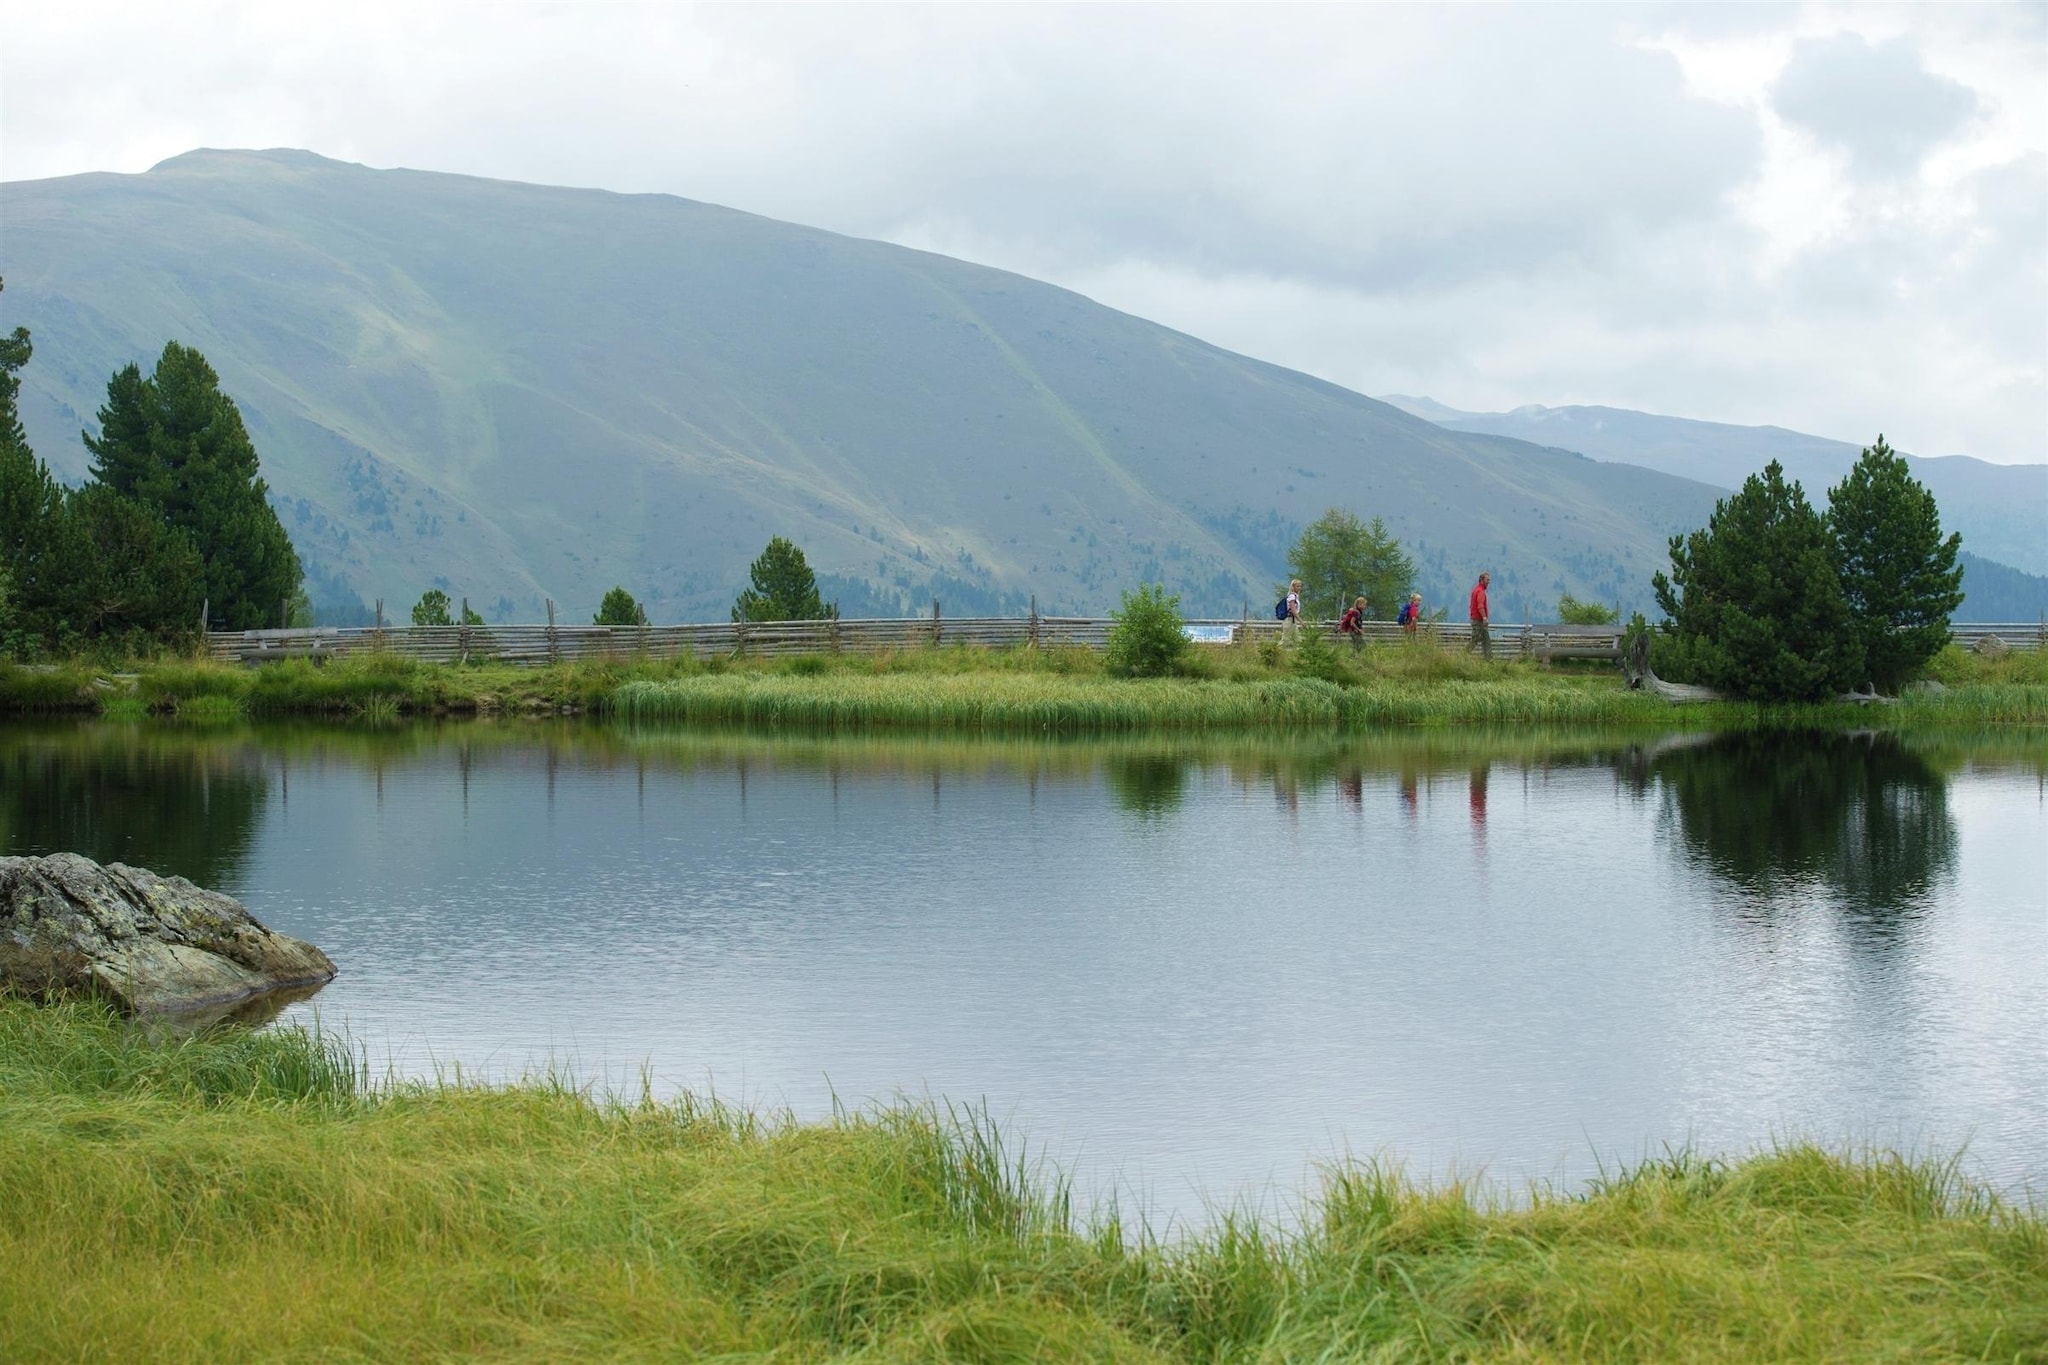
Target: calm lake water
1187, 970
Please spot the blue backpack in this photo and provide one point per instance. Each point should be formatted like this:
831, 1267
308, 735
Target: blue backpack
1280, 610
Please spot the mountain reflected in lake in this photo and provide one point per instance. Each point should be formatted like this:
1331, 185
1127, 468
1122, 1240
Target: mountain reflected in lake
1189, 967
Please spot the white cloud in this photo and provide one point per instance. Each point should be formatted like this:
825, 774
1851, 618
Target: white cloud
1691, 210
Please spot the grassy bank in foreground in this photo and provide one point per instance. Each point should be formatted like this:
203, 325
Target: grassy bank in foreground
251, 1195
977, 689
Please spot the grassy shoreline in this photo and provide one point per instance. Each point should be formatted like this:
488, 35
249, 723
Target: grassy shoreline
1019, 690
255, 1194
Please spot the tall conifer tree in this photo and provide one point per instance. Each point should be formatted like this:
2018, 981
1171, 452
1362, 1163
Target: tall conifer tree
784, 588
1899, 574
175, 442
1757, 599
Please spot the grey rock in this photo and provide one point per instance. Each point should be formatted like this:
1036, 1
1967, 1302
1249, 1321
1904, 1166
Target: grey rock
1991, 647
151, 944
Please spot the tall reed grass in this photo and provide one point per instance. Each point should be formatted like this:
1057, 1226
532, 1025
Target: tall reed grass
1049, 690
981, 701
254, 1196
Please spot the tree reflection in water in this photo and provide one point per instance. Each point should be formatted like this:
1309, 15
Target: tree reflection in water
1147, 784
120, 794
1859, 816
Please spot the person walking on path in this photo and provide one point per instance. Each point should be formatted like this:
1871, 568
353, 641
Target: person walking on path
1411, 613
1480, 639
1290, 629
1352, 623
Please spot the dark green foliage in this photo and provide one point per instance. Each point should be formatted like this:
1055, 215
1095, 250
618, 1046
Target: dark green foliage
471, 618
1338, 557
1899, 575
1572, 612
784, 588
86, 565
1756, 597
132, 574
29, 498
176, 443
1149, 638
619, 609
14, 353
432, 609
1863, 816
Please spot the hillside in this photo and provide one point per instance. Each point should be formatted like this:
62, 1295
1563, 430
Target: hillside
2002, 510
516, 391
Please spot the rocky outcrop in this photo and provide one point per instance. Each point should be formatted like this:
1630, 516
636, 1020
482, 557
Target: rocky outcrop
151, 944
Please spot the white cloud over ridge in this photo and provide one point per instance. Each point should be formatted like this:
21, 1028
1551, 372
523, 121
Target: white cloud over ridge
1830, 218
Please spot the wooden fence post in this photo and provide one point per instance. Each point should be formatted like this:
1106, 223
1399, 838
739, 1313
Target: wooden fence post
554, 649
1034, 620
936, 628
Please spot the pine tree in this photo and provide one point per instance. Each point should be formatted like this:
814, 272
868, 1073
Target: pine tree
1900, 577
1755, 598
784, 588
132, 574
432, 609
1338, 558
176, 443
617, 609
29, 498
31, 506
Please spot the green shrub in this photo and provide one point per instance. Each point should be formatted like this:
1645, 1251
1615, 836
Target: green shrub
1317, 657
1149, 637
1572, 612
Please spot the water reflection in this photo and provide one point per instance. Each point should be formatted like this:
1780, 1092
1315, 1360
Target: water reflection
1147, 784
1861, 817
179, 803
1198, 960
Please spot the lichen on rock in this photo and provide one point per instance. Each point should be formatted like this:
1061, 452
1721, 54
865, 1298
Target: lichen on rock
151, 944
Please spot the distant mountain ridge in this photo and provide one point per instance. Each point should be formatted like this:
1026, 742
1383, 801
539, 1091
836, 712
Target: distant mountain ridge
515, 391
2002, 510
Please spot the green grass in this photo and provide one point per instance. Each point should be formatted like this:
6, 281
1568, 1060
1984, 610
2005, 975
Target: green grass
1029, 690
245, 1196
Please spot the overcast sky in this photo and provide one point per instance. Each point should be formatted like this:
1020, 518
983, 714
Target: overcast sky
1829, 218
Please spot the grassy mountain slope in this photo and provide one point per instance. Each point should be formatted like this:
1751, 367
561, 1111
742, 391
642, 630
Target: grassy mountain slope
515, 391
2002, 510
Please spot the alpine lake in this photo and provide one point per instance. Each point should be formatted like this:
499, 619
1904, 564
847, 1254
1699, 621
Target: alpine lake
1185, 970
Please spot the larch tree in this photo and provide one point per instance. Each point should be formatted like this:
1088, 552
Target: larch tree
1339, 557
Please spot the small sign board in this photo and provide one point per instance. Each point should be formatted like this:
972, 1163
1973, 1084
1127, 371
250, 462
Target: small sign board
1207, 635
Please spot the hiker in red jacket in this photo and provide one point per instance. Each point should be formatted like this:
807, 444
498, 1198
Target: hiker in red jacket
1352, 623
1480, 639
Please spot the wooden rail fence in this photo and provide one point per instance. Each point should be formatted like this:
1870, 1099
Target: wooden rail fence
543, 644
